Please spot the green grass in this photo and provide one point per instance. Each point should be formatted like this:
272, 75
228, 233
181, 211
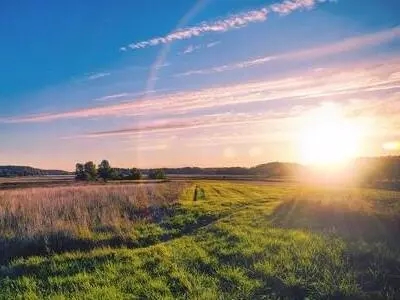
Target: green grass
234, 241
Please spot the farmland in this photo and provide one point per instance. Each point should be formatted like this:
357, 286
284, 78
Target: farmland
199, 240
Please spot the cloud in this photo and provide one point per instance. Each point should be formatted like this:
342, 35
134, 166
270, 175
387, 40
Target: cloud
372, 107
223, 68
222, 25
347, 45
111, 97
190, 49
193, 48
288, 6
184, 124
213, 44
335, 48
98, 75
340, 82
130, 95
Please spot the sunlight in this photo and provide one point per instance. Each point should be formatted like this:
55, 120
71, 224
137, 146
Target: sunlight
391, 146
329, 138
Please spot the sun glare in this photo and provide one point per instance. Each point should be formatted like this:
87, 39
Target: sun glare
392, 146
328, 138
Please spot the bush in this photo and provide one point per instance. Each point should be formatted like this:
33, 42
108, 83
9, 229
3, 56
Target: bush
134, 174
157, 174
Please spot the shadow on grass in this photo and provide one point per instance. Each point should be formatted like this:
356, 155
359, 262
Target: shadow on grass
372, 239
163, 225
247, 256
47, 268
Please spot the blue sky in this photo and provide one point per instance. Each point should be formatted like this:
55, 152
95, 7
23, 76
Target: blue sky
175, 83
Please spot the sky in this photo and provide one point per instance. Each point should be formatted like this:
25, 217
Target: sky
193, 83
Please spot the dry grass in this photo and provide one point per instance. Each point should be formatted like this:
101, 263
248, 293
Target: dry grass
44, 220
27, 212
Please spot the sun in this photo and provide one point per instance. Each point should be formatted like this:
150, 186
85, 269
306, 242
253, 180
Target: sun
328, 138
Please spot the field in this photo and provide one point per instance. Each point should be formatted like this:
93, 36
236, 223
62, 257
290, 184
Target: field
199, 240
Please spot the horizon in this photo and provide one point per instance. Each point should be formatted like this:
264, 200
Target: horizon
308, 166
176, 167
200, 84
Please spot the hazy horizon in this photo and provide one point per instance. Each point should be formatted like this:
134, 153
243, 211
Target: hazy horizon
72, 168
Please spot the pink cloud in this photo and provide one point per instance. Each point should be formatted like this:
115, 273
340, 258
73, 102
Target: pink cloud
349, 44
370, 77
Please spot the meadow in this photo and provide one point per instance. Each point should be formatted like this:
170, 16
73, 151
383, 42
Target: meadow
199, 240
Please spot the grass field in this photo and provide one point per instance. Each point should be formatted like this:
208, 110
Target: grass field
204, 240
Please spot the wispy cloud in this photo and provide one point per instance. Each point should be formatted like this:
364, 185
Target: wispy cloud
194, 48
190, 49
222, 25
213, 44
130, 96
184, 124
98, 75
337, 83
288, 6
111, 97
232, 22
349, 44
230, 67
267, 126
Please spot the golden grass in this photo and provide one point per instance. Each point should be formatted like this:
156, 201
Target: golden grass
28, 212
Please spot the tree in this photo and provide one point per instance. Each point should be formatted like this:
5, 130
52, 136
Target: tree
90, 171
134, 174
104, 170
79, 172
157, 174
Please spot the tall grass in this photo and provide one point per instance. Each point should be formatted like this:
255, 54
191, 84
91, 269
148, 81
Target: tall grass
32, 218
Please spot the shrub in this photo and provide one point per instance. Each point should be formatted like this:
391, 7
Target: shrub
134, 174
157, 174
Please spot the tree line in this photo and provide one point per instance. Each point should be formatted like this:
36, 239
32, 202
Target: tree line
14, 171
378, 169
90, 172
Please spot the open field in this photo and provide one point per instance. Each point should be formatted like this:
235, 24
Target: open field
7, 183
199, 240
61, 181
35, 181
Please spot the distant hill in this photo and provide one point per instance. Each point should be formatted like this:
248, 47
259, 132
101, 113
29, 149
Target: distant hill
378, 168
273, 169
12, 171
278, 169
